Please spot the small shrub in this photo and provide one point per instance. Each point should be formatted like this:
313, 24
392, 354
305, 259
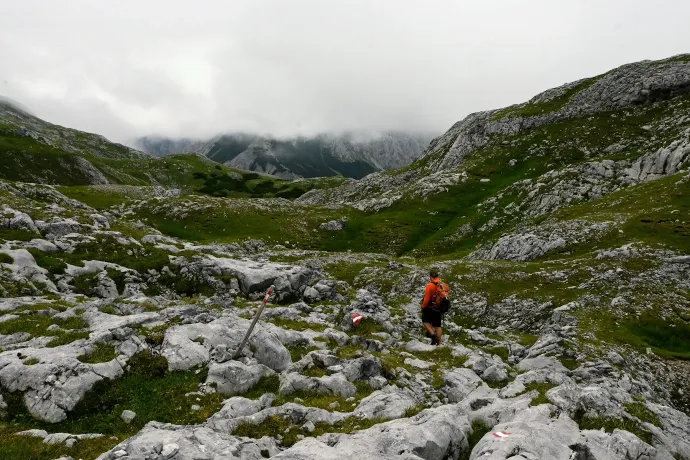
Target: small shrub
269, 384
30, 361
639, 410
299, 352
314, 371
6, 258
109, 309
147, 363
272, 426
414, 410
568, 362
609, 424
479, 429
119, 278
85, 284
54, 265
101, 354
502, 352
348, 351
296, 325
67, 337
442, 357
541, 388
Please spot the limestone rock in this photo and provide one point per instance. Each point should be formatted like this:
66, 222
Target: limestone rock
391, 402
127, 416
233, 377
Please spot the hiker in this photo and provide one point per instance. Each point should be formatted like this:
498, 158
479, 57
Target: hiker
434, 305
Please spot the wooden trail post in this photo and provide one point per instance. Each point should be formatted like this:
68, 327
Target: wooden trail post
256, 319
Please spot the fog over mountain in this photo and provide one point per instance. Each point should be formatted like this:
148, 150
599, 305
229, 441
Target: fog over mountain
283, 69
351, 155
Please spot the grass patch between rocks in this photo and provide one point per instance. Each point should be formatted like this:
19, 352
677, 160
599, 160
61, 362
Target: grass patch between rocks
147, 388
296, 325
15, 447
609, 424
101, 354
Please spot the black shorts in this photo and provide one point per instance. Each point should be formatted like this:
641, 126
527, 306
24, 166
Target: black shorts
431, 316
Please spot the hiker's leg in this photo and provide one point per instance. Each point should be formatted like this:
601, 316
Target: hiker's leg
439, 333
430, 330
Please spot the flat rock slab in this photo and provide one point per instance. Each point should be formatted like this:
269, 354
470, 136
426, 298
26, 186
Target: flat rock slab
418, 363
431, 434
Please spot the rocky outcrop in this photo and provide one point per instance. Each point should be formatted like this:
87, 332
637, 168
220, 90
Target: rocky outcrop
628, 86
233, 377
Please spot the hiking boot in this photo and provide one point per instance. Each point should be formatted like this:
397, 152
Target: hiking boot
427, 335
434, 340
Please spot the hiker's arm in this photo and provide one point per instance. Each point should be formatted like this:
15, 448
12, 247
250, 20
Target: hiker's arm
428, 292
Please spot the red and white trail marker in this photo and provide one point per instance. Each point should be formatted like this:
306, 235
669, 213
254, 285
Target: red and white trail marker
501, 434
356, 319
268, 295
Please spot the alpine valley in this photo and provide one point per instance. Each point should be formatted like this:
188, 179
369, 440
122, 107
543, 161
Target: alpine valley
562, 225
348, 155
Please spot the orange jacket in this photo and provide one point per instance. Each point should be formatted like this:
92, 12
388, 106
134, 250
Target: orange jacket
429, 292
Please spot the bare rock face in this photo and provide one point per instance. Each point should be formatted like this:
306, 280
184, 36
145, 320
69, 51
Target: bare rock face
432, 434
632, 84
186, 443
559, 437
662, 163
220, 338
52, 389
233, 377
254, 276
389, 403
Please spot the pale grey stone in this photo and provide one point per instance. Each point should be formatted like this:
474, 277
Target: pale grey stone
127, 416
460, 383
391, 402
233, 377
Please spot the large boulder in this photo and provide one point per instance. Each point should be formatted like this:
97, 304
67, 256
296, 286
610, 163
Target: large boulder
535, 433
188, 345
254, 276
371, 306
391, 402
362, 368
55, 385
233, 377
439, 433
460, 383
17, 220
163, 441
335, 384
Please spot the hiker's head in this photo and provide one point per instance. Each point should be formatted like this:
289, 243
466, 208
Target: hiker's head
433, 274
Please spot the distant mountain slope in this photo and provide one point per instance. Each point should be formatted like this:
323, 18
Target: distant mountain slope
163, 146
33, 150
323, 155
16, 122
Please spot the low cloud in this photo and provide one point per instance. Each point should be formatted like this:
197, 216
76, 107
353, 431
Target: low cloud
194, 69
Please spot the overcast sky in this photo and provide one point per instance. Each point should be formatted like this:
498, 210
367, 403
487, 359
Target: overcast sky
179, 68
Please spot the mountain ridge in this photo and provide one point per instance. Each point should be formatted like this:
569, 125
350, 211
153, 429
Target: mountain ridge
349, 154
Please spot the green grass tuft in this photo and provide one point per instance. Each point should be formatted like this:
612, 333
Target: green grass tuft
608, 424
296, 325
103, 353
15, 447
299, 352
146, 388
266, 385
479, 429
639, 410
